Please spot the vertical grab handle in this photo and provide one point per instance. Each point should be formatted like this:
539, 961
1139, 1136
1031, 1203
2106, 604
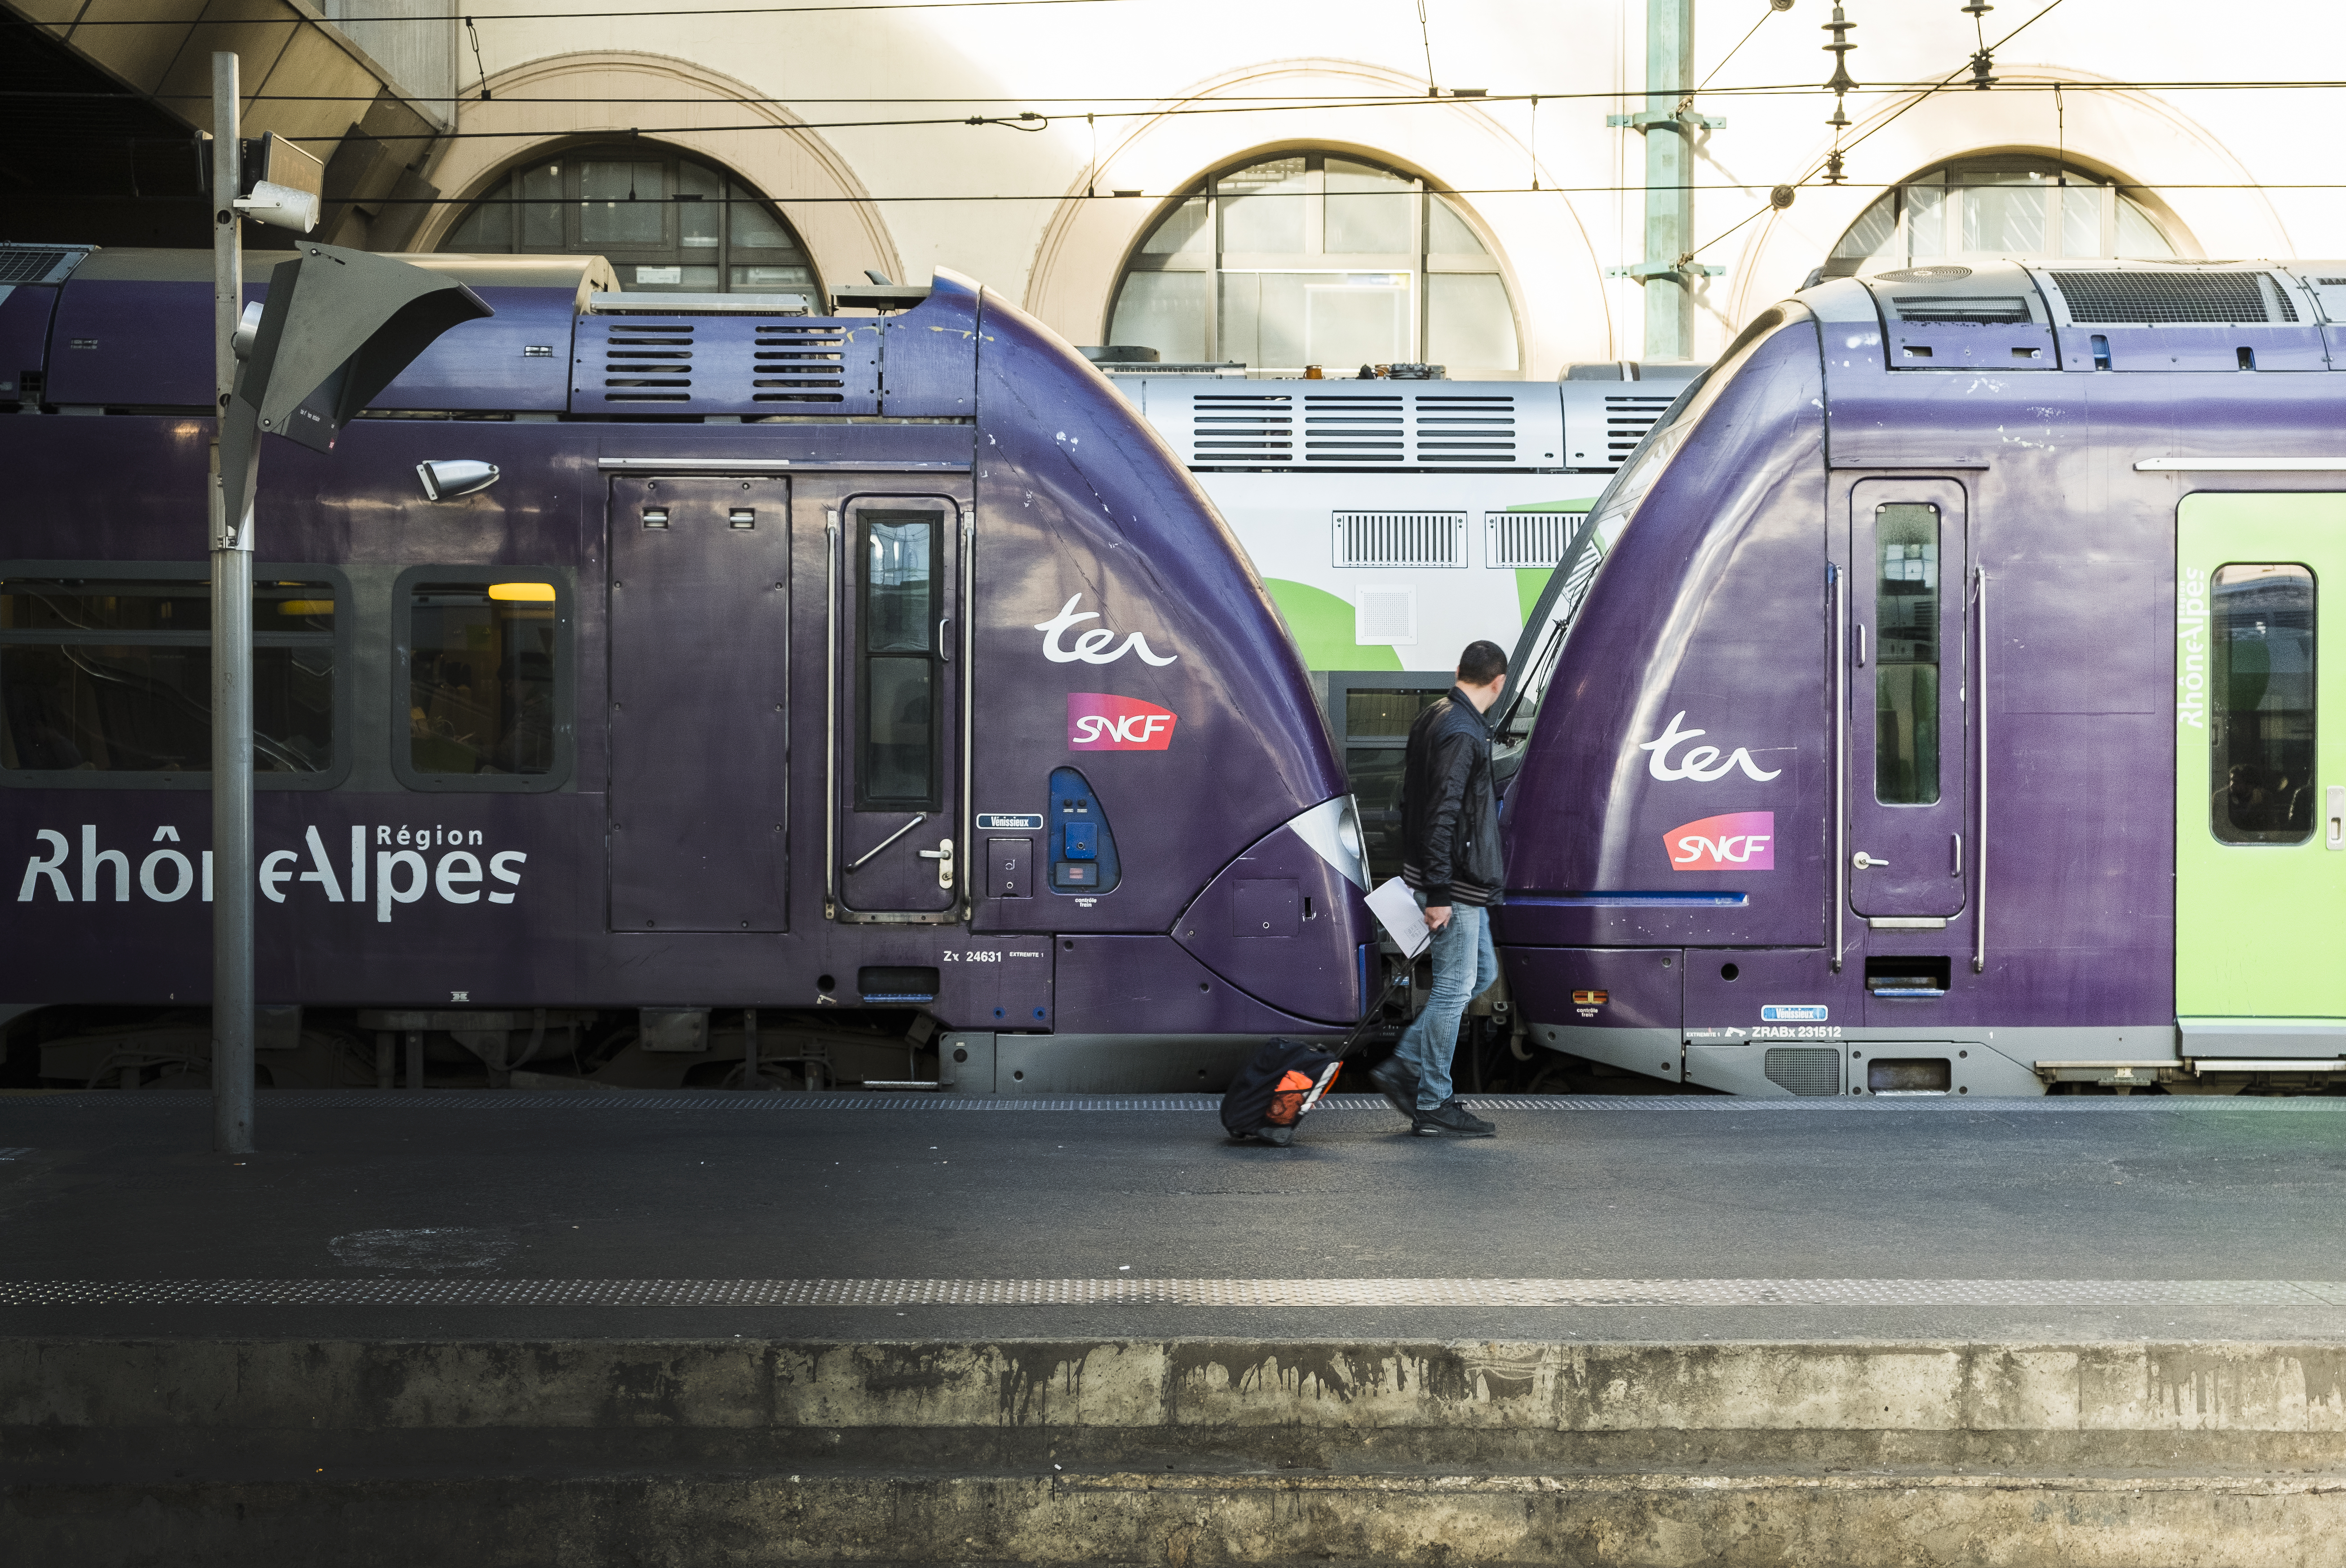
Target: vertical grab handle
830, 714
1979, 785
1838, 612
968, 511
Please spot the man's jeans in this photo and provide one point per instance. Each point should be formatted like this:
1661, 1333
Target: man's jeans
1463, 967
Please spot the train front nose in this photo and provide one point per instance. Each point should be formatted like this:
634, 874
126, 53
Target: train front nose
1285, 921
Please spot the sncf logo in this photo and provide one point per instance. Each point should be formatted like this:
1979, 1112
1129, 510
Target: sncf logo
1097, 721
1737, 842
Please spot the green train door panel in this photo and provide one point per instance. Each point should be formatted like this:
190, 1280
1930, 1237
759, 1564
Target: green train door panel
2260, 775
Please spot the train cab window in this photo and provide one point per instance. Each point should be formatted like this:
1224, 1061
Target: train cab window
1374, 712
2262, 752
897, 712
107, 681
1906, 658
486, 681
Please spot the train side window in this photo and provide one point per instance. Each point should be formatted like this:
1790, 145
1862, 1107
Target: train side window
106, 680
897, 713
487, 685
2262, 744
1907, 661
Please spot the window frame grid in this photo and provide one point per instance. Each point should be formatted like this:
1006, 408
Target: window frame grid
504, 194
1419, 264
943, 515
564, 771
342, 687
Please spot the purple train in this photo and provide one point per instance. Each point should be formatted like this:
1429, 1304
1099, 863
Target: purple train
655, 691
1953, 711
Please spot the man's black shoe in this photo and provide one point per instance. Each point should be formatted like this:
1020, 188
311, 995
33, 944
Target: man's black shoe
1450, 1120
1398, 1084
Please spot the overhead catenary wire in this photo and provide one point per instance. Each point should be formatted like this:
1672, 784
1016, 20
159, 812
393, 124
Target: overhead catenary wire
1035, 121
297, 20
1774, 7
1296, 100
1153, 197
1840, 150
1926, 93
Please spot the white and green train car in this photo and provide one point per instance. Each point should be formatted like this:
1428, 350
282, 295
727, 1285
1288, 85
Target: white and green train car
1394, 522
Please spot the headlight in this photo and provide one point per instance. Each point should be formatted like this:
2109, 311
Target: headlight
1332, 829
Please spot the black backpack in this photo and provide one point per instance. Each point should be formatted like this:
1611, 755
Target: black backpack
1282, 1079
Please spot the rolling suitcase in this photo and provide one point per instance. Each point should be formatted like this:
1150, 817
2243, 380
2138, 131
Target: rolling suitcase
1285, 1078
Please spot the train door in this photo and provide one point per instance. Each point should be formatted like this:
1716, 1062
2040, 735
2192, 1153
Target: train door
896, 743
1907, 778
2261, 774
699, 674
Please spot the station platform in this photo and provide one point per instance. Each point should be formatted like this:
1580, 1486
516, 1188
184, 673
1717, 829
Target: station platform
790, 1328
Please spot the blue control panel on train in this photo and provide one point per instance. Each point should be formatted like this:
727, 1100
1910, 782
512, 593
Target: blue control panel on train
1082, 846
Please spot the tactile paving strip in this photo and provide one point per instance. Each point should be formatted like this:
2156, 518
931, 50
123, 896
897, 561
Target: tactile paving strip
588, 1101
1132, 1292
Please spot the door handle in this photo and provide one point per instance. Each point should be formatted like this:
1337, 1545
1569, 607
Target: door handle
1862, 860
943, 856
2336, 813
873, 852
1860, 645
944, 647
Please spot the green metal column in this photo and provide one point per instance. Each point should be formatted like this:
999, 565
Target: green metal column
1668, 130
1669, 177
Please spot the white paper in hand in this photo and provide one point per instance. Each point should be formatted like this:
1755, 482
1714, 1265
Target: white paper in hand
1397, 910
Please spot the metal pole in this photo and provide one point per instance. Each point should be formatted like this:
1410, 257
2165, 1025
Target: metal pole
1669, 176
231, 574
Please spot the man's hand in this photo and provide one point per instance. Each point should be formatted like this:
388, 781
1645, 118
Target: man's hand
1437, 916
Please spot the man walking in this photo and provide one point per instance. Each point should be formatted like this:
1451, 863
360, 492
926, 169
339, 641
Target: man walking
1449, 858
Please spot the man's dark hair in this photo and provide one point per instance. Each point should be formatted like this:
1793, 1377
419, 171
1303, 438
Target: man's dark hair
1481, 664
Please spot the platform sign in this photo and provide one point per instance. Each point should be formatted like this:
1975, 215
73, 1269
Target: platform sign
2260, 767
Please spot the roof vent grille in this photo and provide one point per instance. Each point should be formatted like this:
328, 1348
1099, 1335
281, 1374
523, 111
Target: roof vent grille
33, 263
1987, 312
1231, 429
1355, 430
1468, 430
1435, 539
1626, 421
2122, 299
646, 362
790, 362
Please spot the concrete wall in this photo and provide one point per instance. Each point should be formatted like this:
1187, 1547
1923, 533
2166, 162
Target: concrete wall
416, 42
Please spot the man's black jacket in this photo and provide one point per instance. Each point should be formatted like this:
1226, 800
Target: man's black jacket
1449, 815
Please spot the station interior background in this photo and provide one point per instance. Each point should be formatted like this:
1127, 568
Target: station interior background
1282, 184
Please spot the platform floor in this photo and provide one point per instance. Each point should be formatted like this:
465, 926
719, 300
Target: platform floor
858, 1217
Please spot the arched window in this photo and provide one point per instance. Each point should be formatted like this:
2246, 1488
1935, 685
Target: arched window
2012, 205
665, 221
1315, 258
